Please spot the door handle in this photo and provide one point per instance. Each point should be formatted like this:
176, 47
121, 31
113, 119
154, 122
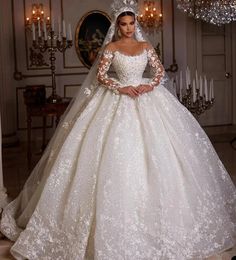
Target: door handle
228, 75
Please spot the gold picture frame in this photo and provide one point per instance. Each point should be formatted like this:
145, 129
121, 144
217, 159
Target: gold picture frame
90, 34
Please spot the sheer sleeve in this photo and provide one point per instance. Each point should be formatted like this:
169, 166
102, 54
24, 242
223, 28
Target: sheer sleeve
103, 67
156, 66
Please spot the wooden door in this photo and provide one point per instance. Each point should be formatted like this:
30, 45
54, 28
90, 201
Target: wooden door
214, 59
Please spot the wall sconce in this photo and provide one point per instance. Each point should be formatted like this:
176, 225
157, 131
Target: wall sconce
150, 17
37, 16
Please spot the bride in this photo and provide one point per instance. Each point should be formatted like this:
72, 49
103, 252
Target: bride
129, 173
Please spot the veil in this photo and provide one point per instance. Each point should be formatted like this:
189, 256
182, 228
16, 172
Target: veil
90, 84
38, 177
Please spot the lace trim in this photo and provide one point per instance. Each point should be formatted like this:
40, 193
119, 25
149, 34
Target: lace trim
103, 68
156, 67
129, 55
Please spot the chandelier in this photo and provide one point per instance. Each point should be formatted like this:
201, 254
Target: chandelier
217, 12
150, 17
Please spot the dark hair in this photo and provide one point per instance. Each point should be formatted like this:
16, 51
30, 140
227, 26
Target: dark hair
127, 13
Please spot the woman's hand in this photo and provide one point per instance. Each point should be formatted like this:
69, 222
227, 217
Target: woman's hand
130, 91
143, 88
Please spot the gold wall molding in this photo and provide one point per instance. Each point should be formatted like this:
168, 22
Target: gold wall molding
24, 76
66, 86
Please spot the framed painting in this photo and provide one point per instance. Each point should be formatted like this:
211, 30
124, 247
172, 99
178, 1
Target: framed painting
90, 34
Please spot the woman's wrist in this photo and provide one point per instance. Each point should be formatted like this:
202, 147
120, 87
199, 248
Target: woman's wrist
116, 90
152, 86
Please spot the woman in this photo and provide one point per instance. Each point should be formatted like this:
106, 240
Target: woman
129, 173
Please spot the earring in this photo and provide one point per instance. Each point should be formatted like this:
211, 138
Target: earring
118, 33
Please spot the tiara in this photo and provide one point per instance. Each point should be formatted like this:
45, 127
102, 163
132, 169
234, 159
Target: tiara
120, 6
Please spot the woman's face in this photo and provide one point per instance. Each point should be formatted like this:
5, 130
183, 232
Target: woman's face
126, 25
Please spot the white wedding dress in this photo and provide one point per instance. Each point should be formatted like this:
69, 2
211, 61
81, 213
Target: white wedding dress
135, 179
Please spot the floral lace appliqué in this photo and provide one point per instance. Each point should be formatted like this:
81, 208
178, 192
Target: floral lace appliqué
156, 67
103, 68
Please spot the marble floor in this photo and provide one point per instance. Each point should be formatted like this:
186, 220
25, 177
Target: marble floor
15, 170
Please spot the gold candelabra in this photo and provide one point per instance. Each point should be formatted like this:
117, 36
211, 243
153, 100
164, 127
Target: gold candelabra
45, 38
196, 95
52, 43
198, 106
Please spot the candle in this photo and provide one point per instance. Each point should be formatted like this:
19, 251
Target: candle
197, 80
189, 77
201, 87
181, 87
181, 95
211, 90
69, 34
59, 30
177, 83
52, 24
64, 29
39, 29
186, 77
188, 80
45, 31
194, 91
212, 93
180, 80
205, 88
33, 31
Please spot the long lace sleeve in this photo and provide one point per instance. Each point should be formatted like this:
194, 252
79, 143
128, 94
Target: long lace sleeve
156, 67
103, 68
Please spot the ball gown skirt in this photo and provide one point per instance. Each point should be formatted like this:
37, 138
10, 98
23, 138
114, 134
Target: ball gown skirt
134, 179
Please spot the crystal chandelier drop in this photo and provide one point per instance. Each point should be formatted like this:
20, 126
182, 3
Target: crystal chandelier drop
150, 17
217, 12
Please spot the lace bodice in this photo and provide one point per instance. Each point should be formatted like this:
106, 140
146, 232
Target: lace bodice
129, 69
